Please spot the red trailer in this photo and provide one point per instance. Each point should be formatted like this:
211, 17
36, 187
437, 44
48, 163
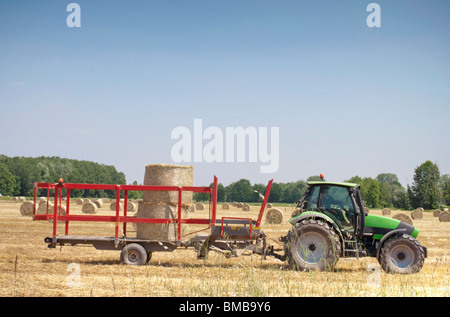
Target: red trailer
226, 235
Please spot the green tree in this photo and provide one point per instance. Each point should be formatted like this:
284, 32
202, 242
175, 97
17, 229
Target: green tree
8, 182
371, 192
424, 192
240, 191
390, 189
444, 186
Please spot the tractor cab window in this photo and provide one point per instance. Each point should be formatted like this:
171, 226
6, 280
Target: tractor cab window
336, 201
311, 198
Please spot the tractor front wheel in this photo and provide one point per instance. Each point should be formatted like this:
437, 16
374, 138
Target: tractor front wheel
312, 245
402, 254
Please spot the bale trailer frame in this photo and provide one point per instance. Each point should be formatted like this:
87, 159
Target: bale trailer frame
227, 235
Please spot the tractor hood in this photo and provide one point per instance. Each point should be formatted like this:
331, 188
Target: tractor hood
379, 226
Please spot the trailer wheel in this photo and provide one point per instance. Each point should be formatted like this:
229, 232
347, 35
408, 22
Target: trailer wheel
134, 254
402, 254
312, 245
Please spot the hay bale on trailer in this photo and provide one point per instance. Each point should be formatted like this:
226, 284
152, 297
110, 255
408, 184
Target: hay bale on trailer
164, 204
27, 208
274, 216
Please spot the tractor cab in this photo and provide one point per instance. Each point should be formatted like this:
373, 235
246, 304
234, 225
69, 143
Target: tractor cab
339, 201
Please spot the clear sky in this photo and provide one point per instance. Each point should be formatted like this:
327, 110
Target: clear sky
347, 99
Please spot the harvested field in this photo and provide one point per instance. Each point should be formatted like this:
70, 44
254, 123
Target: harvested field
29, 268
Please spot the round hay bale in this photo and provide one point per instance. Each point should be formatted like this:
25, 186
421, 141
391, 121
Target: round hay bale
234, 204
295, 212
199, 206
444, 216
86, 200
226, 206
163, 204
168, 175
403, 217
437, 212
15, 199
62, 210
112, 206
98, 203
274, 216
79, 201
27, 208
189, 208
269, 205
386, 211
42, 209
246, 207
22, 199
155, 231
366, 210
89, 208
239, 205
417, 214
131, 206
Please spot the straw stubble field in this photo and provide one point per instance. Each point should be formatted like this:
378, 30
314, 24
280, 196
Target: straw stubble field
29, 268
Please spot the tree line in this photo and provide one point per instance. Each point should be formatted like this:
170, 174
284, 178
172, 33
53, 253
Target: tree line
429, 189
18, 174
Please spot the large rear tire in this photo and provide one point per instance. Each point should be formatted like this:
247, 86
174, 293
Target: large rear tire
312, 245
402, 254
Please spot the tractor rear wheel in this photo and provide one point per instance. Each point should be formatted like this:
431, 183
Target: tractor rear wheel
312, 245
402, 254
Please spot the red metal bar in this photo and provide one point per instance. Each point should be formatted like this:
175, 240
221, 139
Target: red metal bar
263, 206
180, 196
55, 212
35, 197
117, 213
125, 209
67, 210
214, 201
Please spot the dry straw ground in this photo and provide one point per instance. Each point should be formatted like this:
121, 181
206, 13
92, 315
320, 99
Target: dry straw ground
29, 268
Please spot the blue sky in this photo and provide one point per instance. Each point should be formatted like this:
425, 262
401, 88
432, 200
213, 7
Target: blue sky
348, 99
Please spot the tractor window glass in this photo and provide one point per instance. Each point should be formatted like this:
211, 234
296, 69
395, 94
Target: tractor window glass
336, 200
312, 198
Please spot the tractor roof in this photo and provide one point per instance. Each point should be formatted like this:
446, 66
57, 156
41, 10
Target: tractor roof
332, 183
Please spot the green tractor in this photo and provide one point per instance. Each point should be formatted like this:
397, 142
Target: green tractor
331, 223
